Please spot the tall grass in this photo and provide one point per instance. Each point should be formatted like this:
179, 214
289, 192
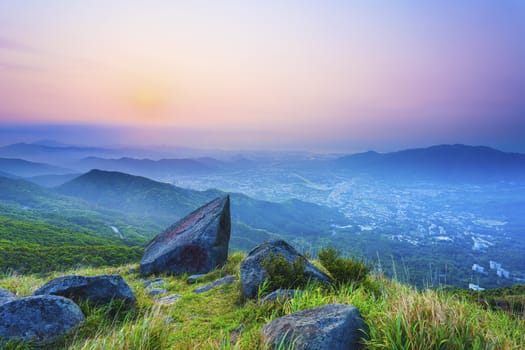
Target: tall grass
398, 316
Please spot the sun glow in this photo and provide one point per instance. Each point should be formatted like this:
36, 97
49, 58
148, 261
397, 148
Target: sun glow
148, 99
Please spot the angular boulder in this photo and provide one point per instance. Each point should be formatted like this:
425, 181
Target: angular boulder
196, 244
6, 296
328, 327
97, 290
253, 273
38, 318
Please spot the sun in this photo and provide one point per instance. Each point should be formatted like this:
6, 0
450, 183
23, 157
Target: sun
148, 99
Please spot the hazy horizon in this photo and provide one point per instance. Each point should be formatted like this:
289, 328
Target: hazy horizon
336, 76
127, 137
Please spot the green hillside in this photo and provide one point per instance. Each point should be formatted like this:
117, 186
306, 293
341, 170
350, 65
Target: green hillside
38, 247
164, 203
82, 217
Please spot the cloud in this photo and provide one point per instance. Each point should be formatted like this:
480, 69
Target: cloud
14, 67
10, 44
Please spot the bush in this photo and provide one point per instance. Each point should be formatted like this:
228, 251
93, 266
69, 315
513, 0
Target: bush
343, 270
283, 274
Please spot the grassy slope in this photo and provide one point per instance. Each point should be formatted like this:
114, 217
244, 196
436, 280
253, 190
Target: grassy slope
398, 316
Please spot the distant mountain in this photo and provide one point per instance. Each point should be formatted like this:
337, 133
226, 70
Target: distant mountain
133, 194
53, 152
150, 168
24, 168
163, 168
142, 196
442, 162
30, 149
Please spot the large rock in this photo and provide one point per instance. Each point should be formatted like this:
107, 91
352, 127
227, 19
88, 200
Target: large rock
97, 290
253, 273
328, 327
6, 296
196, 244
38, 318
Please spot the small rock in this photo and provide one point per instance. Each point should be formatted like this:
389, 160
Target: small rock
98, 290
195, 278
153, 282
253, 273
328, 327
280, 295
225, 280
38, 318
196, 244
133, 270
235, 334
169, 299
157, 291
6, 296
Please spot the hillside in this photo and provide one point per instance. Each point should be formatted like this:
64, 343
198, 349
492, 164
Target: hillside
41, 231
38, 247
24, 168
165, 202
25, 201
398, 317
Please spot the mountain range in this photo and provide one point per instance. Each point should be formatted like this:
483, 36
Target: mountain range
441, 162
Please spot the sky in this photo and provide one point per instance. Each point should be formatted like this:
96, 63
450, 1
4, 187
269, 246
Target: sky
334, 75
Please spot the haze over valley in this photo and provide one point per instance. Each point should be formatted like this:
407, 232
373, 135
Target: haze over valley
447, 215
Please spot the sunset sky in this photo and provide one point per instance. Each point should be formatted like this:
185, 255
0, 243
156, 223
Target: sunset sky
316, 75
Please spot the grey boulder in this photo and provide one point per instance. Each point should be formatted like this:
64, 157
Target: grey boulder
253, 273
38, 318
197, 243
97, 290
328, 327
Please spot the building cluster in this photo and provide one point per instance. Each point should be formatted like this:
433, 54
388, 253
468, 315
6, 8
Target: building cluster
475, 287
501, 272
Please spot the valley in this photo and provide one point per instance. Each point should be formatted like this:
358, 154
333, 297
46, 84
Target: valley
414, 228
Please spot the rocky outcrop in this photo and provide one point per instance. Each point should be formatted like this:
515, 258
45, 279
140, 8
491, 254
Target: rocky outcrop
253, 273
196, 244
6, 296
225, 280
38, 318
328, 327
97, 290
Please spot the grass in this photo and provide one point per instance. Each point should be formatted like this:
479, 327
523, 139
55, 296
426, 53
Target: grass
398, 316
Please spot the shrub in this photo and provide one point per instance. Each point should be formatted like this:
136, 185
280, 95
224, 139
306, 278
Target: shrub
283, 274
343, 270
